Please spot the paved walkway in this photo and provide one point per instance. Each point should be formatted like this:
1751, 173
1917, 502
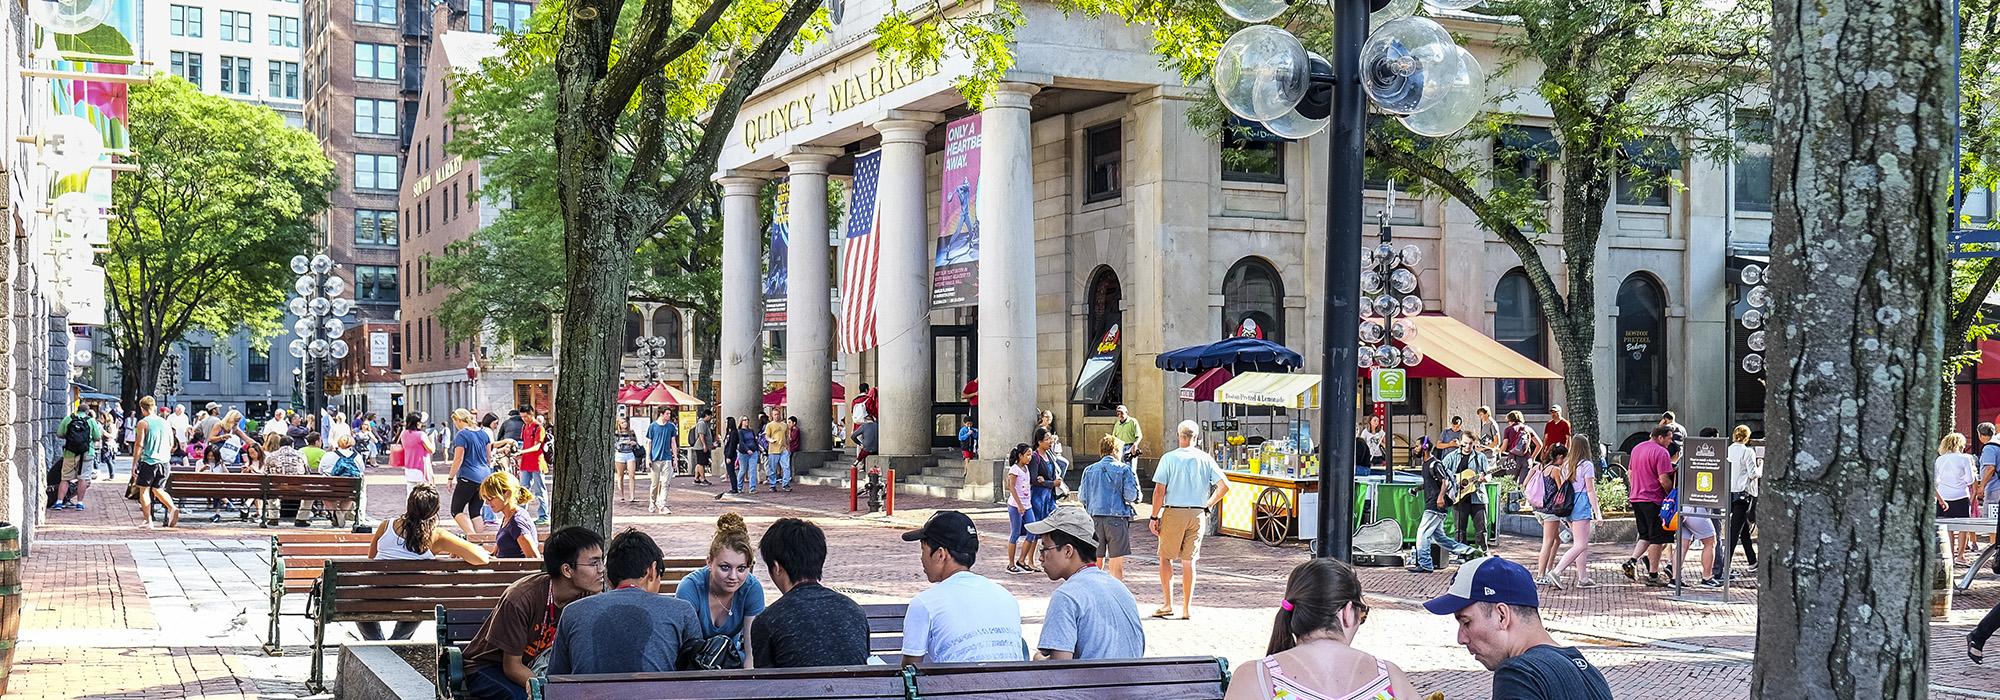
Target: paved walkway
113, 610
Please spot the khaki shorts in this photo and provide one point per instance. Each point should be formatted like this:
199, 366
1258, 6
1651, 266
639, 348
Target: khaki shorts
1180, 533
72, 467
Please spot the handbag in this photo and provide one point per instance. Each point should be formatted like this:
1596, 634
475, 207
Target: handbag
719, 651
132, 488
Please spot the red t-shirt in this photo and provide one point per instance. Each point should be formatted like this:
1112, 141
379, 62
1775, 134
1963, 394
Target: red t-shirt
971, 392
531, 438
1556, 433
1649, 462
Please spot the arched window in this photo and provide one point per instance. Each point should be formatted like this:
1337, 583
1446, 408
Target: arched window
1518, 324
635, 326
1642, 345
1100, 385
1253, 301
667, 324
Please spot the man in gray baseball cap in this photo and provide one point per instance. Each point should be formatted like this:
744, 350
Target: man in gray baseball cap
1091, 615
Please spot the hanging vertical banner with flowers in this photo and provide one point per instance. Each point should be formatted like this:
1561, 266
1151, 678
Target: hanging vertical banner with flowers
86, 120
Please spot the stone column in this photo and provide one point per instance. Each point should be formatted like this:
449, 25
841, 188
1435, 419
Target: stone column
903, 288
1006, 374
809, 308
742, 296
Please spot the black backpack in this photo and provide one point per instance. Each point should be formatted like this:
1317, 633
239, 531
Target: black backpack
76, 435
1560, 499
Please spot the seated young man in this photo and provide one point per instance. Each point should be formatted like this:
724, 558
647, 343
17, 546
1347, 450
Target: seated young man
500, 660
630, 628
811, 625
965, 617
1091, 615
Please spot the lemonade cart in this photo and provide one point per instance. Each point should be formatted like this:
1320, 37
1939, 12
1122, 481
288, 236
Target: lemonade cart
1271, 465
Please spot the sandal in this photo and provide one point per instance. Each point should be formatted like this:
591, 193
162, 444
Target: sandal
1976, 652
1164, 613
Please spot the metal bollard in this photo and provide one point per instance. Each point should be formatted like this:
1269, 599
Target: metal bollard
890, 492
853, 488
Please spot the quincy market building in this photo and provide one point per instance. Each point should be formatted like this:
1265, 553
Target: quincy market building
1100, 207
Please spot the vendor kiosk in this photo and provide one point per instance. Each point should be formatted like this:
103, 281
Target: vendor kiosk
1270, 462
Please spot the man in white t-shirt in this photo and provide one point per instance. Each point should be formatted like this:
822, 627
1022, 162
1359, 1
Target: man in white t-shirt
965, 617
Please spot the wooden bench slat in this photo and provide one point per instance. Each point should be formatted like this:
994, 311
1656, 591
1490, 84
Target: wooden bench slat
839, 682
359, 610
288, 539
366, 566
457, 578
1173, 678
885, 643
457, 590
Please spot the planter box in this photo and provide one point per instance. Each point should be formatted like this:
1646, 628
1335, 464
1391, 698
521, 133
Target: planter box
1619, 530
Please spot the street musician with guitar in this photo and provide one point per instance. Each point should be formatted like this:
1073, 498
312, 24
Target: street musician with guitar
1471, 466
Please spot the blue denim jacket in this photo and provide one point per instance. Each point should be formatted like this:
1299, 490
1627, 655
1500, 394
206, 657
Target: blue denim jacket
1109, 488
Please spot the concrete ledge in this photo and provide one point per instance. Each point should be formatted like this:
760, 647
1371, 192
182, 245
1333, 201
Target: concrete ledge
1620, 530
383, 671
808, 461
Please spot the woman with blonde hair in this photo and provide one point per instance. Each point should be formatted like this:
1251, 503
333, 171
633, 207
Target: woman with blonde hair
1955, 473
725, 594
517, 538
470, 454
1576, 477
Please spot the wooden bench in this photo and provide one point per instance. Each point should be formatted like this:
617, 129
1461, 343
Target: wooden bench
297, 558
1169, 678
402, 591
267, 489
834, 682
456, 627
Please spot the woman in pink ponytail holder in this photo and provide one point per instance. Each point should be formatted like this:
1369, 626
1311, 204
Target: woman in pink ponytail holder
1310, 657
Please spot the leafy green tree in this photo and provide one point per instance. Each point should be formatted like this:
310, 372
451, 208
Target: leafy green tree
1622, 81
224, 197
1973, 280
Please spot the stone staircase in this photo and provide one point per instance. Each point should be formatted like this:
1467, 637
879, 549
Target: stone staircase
945, 477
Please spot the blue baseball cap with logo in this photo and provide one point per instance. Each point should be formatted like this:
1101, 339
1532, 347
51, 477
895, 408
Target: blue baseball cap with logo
1487, 580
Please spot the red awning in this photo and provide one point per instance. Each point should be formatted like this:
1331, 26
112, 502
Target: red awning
777, 397
664, 395
1202, 387
631, 395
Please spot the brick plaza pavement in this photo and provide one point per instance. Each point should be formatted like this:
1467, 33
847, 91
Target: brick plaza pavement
114, 610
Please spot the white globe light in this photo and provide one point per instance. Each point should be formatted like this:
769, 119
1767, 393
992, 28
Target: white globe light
1385, 306
1403, 281
1412, 255
81, 357
1388, 357
1411, 356
1261, 72
318, 306
1395, 10
1405, 330
335, 286
343, 307
69, 16
297, 347
1759, 296
321, 263
1368, 258
1296, 126
334, 327
1452, 4
1753, 319
71, 144
317, 348
1412, 305
1753, 363
1253, 11
1371, 281
1460, 84
338, 349
304, 327
1365, 358
304, 286
301, 264
1753, 275
1397, 61
1756, 341
1371, 332
297, 306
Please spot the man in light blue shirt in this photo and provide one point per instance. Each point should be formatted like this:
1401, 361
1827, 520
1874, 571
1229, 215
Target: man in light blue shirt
1187, 485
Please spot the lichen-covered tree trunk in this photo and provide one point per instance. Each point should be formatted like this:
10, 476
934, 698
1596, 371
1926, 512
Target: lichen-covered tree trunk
1862, 107
597, 268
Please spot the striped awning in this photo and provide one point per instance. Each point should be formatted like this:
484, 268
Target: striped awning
1454, 350
1271, 389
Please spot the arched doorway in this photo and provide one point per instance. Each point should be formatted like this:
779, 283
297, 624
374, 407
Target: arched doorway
1642, 345
1253, 301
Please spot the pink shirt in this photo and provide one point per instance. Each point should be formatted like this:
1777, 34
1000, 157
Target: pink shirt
1649, 462
416, 452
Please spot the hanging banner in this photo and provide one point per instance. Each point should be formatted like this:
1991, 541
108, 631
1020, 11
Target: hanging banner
775, 271
955, 271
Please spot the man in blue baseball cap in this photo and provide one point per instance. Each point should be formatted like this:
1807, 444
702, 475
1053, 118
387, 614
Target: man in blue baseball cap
1500, 622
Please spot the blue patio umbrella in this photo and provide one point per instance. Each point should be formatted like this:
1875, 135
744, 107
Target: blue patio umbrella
1238, 354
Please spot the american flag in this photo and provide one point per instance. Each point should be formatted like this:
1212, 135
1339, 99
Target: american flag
857, 266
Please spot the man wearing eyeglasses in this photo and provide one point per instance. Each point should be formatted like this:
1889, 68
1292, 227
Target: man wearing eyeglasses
1091, 615
630, 628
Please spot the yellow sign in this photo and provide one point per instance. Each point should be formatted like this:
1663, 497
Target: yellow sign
444, 172
845, 93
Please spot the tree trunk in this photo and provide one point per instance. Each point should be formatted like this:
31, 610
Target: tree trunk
138, 372
597, 267
1862, 110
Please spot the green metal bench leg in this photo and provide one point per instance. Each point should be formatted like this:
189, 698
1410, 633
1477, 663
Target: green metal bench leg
316, 683
271, 645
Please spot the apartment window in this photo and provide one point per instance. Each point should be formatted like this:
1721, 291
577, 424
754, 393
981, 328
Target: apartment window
1753, 167
475, 15
1103, 154
201, 364
511, 16
259, 368
374, 227
470, 200
284, 31
1656, 159
375, 61
404, 223
183, 20
375, 282
1524, 157
235, 75
186, 65
375, 11
1252, 155
377, 117
284, 80
374, 172
235, 26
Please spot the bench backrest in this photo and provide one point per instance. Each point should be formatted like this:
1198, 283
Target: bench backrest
215, 485
298, 557
411, 590
885, 627
835, 682
313, 487
456, 626
1167, 678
